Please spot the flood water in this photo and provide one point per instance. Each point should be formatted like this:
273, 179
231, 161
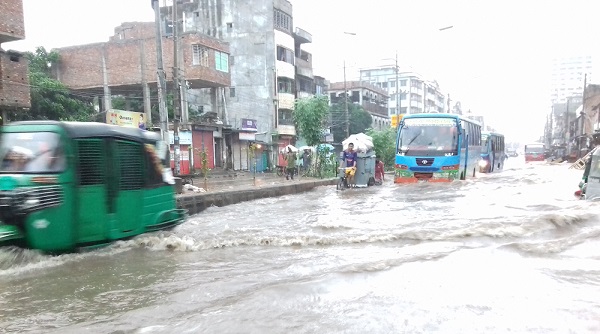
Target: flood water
507, 252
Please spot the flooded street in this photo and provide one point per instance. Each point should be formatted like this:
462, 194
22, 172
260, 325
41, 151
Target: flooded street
506, 252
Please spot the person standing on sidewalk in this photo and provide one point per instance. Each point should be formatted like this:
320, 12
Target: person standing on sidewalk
290, 157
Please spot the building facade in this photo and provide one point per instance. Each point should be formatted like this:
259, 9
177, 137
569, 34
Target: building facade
269, 70
408, 92
568, 76
14, 80
126, 66
371, 98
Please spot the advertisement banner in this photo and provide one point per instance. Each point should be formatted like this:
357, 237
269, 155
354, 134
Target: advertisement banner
185, 137
249, 124
128, 119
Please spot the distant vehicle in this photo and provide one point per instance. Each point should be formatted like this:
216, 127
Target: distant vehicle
512, 153
66, 186
534, 152
492, 152
436, 148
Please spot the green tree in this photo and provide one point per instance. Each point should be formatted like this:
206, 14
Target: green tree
384, 143
50, 98
131, 103
360, 120
310, 117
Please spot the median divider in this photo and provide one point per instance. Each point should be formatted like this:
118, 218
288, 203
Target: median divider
198, 202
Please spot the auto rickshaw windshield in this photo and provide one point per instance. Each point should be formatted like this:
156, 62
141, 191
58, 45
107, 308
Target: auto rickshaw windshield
31, 152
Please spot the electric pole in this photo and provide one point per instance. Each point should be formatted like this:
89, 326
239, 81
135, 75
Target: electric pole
176, 92
161, 82
346, 104
397, 87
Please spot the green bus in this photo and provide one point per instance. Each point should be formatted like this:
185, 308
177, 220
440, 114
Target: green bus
71, 185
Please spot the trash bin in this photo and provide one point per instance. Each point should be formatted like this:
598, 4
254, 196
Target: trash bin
178, 185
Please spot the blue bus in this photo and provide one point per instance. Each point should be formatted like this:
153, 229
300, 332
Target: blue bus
492, 152
436, 148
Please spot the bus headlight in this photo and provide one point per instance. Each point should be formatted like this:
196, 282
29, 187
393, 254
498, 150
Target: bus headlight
483, 163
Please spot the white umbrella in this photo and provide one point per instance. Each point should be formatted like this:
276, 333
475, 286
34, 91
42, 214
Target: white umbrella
362, 142
310, 148
294, 149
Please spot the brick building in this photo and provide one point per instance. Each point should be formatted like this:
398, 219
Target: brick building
126, 66
14, 82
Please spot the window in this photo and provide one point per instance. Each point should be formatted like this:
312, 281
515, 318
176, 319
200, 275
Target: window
131, 176
91, 161
231, 91
402, 82
229, 26
199, 55
392, 84
286, 55
285, 117
221, 61
285, 85
282, 21
154, 167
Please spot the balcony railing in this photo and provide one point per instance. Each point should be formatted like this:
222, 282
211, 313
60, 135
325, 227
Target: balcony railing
375, 109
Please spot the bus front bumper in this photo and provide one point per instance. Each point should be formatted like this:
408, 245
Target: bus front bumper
434, 177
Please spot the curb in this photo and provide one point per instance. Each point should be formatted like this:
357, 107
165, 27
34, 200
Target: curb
197, 203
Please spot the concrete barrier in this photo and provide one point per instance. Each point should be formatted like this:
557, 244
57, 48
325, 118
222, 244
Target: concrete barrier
196, 203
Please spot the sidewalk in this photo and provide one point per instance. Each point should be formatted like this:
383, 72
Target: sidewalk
239, 180
246, 189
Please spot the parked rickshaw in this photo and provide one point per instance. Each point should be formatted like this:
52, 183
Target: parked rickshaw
73, 185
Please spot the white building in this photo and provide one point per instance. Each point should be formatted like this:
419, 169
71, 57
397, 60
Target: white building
424, 96
568, 75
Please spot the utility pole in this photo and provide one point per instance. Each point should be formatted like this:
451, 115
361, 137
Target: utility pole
176, 92
397, 87
449, 111
346, 104
567, 123
583, 113
161, 78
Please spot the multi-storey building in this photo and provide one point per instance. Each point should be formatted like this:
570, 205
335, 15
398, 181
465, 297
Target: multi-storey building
126, 65
415, 94
14, 81
372, 98
269, 69
568, 76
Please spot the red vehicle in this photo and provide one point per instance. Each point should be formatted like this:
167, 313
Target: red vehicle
534, 152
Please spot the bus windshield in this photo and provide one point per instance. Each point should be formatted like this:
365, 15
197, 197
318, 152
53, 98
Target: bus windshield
31, 152
538, 149
428, 137
484, 144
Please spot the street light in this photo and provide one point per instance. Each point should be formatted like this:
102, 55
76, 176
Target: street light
346, 93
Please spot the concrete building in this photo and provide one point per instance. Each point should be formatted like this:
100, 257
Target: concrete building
568, 76
269, 70
417, 95
372, 98
14, 80
126, 65
321, 86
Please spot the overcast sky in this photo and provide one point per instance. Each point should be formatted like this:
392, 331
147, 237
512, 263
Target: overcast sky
495, 59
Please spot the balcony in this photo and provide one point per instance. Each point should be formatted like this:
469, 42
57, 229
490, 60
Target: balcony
302, 36
288, 130
375, 109
285, 70
286, 100
304, 71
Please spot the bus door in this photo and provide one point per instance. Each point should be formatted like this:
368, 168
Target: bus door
92, 220
128, 185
